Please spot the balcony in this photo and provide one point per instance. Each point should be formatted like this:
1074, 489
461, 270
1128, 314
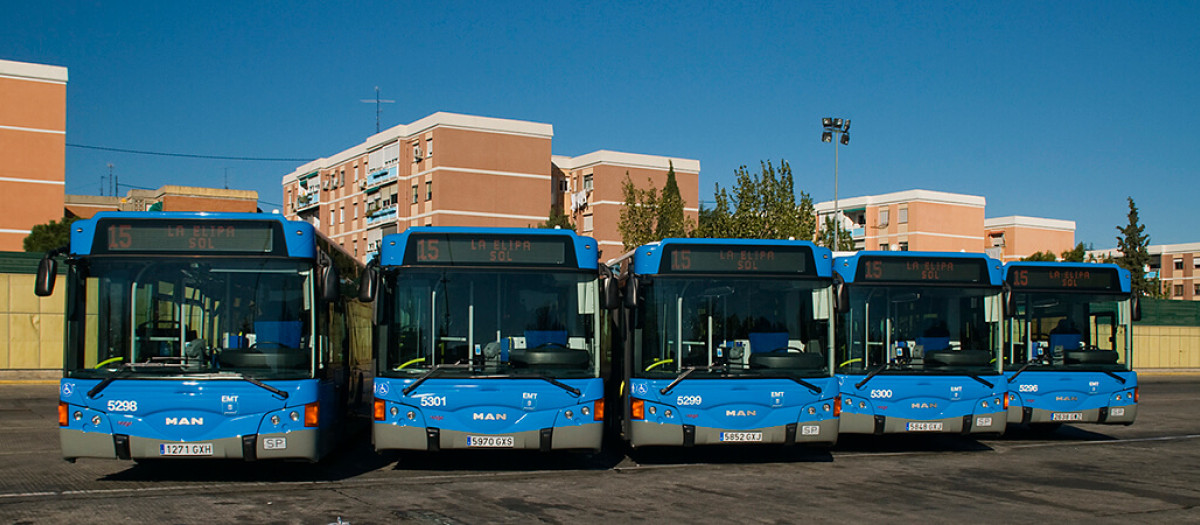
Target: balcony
381, 177
308, 200
381, 214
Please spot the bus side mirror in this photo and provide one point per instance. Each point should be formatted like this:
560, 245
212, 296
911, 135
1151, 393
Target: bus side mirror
612, 294
841, 295
631, 291
330, 284
1136, 313
367, 284
43, 286
1010, 303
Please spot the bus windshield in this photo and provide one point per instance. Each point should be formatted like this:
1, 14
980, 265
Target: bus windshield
155, 317
1063, 331
468, 322
918, 330
732, 327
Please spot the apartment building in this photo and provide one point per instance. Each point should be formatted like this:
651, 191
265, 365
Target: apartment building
913, 220
1015, 237
592, 188
1177, 266
33, 127
166, 198
461, 170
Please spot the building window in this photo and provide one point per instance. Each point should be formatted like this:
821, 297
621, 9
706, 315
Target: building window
562, 186
342, 220
332, 216
428, 190
902, 216
1178, 264
883, 217
414, 199
998, 240
1195, 290
1179, 290
904, 246
354, 208
587, 223
429, 147
587, 181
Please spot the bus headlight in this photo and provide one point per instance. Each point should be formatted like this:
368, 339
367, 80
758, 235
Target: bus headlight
96, 420
275, 420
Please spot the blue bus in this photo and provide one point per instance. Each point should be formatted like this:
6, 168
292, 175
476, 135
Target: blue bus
1069, 344
727, 341
206, 335
488, 338
919, 343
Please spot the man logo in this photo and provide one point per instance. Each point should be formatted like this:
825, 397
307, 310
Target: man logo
740, 413
1066, 398
487, 416
924, 405
185, 421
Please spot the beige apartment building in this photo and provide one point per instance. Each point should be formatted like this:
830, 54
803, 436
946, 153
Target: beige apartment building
1177, 266
461, 170
935, 221
33, 131
592, 188
1015, 237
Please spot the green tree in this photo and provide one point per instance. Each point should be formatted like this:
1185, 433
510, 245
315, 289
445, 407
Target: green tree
639, 214
1078, 254
760, 205
1133, 244
670, 220
845, 239
1046, 256
46, 237
558, 219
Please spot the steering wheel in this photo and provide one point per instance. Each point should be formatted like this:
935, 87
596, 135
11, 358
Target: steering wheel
269, 344
551, 344
658, 363
111, 360
785, 349
409, 363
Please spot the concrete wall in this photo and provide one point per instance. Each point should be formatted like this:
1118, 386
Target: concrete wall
31, 327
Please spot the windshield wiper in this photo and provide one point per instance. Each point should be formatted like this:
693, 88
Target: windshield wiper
430, 373
108, 380
1115, 376
980, 379
1027, 365
574, 391
161, 362
254, 381
687, 372
872, 374
810, 386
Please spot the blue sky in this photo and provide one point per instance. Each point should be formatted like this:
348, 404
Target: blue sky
1056, 109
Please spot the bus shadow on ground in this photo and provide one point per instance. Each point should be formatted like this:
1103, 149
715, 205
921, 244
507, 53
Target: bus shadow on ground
1053, 433
899, 443
354, 458
503, 460
740, 454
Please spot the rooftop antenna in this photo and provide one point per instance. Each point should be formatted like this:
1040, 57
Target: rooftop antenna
378, 106
112, 186
226, 178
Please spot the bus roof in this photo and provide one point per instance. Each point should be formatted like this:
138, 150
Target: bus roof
991, 270
796, 257
1120, 277
585, 249
299, 237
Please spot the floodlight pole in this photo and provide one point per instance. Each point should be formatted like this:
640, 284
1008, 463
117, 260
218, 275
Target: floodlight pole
836, 130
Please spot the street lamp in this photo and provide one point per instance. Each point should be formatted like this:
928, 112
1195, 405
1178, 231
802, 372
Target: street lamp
835, 126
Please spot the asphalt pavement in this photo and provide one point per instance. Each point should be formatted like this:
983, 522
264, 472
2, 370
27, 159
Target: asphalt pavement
1145, 473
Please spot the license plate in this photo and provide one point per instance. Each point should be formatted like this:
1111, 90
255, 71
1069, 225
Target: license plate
274, 443
983, 421
1066, 416
185, 449
1120, 411
741, 437
491, 441
810, 430
922, 426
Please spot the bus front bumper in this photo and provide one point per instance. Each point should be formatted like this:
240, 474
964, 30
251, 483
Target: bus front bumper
817, 433
575, 437
300, 444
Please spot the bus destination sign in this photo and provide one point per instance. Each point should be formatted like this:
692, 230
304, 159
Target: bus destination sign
1050, 278
184, 236
922, 269
468, 249
708, 258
